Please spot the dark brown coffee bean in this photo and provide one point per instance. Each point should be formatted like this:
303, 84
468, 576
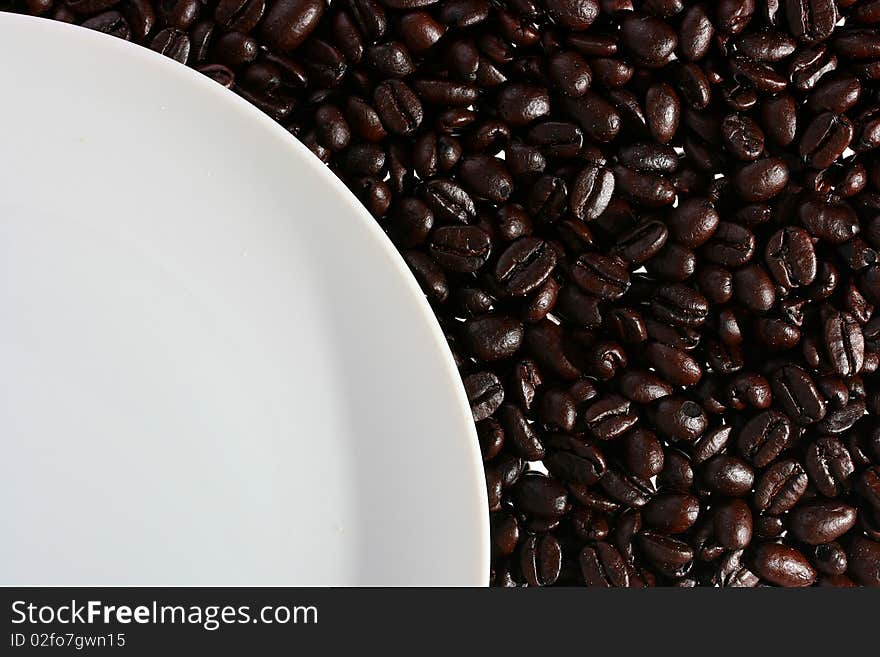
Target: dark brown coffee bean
643, 453
648, 189
522, 438
779, 118
825, 139
762, 179
525, 265
732, 572
670, 556
114, 24
673, 364
662, 111
429, 275
844, 342
782, 565
733, 524
600, 275
829, 465
539, 496
460, 248
288, 23
398, 107
591, 192
603, 566
671, 512
863, 558
449, 202
609, 417
172, 43
599, 120
791, 258
764, 437
680, 305
728, 475
574, 461
868, 485
486, 177
650, 40
485, 394
730, 245
493, 337
796, 392
821, 522
541, 560
643, 387
780, 487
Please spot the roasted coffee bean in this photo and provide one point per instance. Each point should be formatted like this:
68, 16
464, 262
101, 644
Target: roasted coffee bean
670, 556
575, 461
730, 245
742, 137
449, 202
600, 275
764, 437
728, 475
493, 337
863, 558
429, 275
677, 418
868, 486
599, 120
539, 496
733, 524
114, 24
834, 223
673, 364
609, 417
796, 392
710, 444
460, 248
680, 305
782, 565
524, 266
830, 559
825, 139
602, 565
762, 179
671, 512
780, 487
791, 258
485, 394
643, 387
779, 118
732, 572
821, 522
650, 40
288, 23
844, 342
627, 489
663, 111
540, 560
591, 192
829, 465
643, 453
398, 106
172, 43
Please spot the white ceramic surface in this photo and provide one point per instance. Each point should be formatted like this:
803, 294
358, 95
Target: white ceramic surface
214, 367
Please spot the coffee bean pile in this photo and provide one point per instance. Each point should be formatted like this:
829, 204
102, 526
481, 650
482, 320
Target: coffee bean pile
649, 231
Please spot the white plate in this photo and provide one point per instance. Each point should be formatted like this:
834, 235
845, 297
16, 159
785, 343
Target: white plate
214, 367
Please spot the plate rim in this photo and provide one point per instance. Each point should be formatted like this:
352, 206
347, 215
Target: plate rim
380, 242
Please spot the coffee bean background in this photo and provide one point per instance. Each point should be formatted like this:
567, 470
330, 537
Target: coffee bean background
649, 231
